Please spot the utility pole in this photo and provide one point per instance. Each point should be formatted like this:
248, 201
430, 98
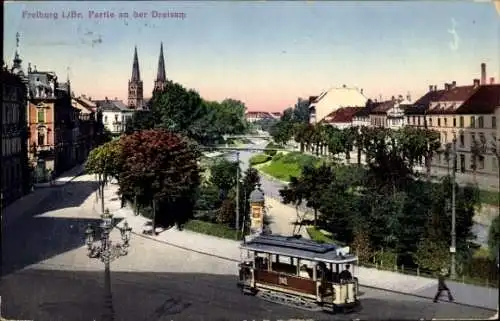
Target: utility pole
453, 208
237, 192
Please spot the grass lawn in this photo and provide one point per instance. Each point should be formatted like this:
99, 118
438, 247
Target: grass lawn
260, 158
212, 229
288, 165
488, 197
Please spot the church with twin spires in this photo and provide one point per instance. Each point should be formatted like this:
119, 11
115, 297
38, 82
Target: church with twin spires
135, 86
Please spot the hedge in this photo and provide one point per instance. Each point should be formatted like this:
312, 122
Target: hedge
259, 159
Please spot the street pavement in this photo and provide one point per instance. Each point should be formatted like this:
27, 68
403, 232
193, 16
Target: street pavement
50, 278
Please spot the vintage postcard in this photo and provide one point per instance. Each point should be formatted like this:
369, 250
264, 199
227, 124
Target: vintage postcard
250, 160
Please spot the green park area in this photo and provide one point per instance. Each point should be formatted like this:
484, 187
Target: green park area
283, 166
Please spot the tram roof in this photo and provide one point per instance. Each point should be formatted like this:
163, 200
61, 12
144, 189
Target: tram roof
298, 247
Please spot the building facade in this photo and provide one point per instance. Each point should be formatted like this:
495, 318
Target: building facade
16, 174
333, 99
115, 115
53, 125
467, 115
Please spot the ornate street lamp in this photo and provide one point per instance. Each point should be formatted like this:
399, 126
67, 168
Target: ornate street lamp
107, 252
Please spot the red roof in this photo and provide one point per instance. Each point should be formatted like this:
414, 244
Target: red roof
482, 101
383, 107
342, 115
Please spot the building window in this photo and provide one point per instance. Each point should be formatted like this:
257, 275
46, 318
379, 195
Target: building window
41, 115
462, 140
493, 122
480, 163
480, 121
445, 137
472, 139
439, 122
418, 121
472, 122
445, 122
454, 122
461, 119
106, 119
482, 138
494, 163
430, 122
41, 139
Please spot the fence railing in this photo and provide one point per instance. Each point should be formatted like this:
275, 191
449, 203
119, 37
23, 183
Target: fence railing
416, 271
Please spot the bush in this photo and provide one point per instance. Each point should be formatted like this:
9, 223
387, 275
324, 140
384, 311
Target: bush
277, 157
212, 229
269, 149
259, 159
386, 259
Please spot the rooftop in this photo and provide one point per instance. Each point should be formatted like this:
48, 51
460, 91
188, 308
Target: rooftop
342, 115
297, 247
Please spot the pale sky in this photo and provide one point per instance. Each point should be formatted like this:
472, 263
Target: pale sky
265, 54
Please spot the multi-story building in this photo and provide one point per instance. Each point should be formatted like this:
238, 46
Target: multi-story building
53, 124
115, 115
16, 174
333, 99
467, 114
342, 117
391, 113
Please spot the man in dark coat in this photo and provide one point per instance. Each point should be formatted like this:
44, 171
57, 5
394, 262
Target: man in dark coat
442, 286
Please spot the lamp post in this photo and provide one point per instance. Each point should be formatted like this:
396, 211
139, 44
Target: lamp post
453, 205
106, 253
237, 192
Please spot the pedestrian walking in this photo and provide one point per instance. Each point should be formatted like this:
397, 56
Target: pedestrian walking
442, 286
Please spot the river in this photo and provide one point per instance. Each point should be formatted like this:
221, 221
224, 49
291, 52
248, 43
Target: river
271, 188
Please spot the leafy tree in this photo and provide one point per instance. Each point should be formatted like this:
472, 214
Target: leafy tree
141, 120
433, 252
160, 165
494, 237
250, 180
361, 245
105, 160
226, 214
301, 111
223, 175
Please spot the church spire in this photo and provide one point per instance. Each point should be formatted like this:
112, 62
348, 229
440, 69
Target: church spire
16, 67
161, 78
135, 88
136, 75
160, 75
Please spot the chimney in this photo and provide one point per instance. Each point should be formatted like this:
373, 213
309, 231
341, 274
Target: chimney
393, 98
476, 83
90, 98
116, 98
106, 98
483, 74
361, 91
431, 87
446, 86
453, 84
492, 80
344, 86
435, 87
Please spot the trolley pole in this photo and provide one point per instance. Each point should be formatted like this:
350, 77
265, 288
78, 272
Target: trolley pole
453, 212
237, 193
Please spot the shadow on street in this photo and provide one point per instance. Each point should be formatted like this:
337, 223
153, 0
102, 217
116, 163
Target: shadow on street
40, 234
56, 295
